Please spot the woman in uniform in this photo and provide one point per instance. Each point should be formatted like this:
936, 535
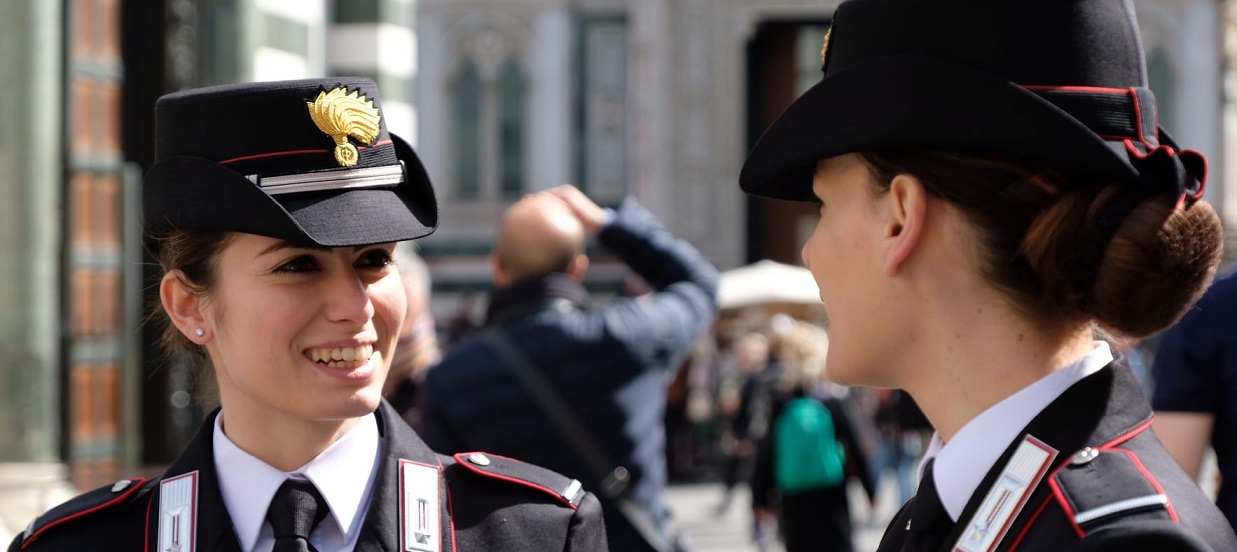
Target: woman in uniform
274, 209
998, 208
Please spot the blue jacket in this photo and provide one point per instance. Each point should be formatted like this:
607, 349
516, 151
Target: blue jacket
611, 364
1196, 371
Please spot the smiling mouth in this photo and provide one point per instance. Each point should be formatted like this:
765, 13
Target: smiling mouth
342, 357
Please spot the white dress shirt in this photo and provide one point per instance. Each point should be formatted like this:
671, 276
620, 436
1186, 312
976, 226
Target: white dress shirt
962, 463
343, 473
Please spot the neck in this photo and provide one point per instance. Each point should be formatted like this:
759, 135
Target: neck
969, 363
284, 442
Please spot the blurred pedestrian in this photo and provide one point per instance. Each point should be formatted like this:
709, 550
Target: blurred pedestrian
900, 445
1196, 389
995, 195
554, 381
274, 209
746, 403
417, 347
810, 453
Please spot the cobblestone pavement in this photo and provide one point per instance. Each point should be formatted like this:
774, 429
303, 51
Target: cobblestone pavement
695, 511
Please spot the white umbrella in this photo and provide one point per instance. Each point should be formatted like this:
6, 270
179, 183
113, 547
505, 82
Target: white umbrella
767, 282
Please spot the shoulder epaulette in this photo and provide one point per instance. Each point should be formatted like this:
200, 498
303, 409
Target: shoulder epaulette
1100, 486
82, 505
566, 490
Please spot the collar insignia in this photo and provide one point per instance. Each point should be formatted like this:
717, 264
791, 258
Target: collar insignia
339, 115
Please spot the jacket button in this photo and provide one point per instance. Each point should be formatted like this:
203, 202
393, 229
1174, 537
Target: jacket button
479, 459
1084, 456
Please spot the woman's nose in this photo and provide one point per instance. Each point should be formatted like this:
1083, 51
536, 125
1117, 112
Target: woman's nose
347, 298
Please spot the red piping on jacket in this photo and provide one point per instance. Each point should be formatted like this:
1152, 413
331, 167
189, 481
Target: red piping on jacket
461, 458
1110, 445
135, 486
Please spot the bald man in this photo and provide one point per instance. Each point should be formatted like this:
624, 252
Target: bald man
611, 364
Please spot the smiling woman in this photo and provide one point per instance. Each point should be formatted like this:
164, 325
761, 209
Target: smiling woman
274, 210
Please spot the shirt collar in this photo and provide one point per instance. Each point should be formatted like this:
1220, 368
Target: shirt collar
248, 484
962, 463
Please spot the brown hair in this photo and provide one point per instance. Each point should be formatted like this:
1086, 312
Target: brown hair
1062, 246
195, 253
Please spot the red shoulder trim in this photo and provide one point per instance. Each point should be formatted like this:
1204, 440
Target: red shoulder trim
462, 459
135, 485
1112, 445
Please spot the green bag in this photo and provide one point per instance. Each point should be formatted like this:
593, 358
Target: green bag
806, 452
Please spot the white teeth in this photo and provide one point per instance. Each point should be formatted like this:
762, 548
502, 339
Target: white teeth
342, 357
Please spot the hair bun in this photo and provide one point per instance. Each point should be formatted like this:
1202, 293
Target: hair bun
1158, 263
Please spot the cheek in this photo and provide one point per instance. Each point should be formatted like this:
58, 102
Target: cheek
390, 305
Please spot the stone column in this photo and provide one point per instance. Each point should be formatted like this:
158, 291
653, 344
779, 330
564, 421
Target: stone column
32, 478
548, 132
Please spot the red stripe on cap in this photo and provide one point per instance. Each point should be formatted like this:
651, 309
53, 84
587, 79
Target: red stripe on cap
1086, 89
1138, 118
293, 152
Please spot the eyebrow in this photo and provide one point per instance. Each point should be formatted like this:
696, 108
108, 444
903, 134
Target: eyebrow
285, 244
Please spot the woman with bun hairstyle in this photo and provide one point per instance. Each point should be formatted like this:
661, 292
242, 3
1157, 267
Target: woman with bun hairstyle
998, 210
274, 209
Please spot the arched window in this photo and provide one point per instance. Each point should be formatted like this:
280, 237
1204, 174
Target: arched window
511, 130
468, 132
490, 98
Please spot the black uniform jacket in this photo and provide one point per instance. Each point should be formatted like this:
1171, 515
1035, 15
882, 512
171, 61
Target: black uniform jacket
492, 503
1110, 467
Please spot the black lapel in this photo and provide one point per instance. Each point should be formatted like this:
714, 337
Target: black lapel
1092, 412
380, 532
895, 533
213, 524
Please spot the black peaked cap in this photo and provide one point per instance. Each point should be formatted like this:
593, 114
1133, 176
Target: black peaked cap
308, 161
1049, 82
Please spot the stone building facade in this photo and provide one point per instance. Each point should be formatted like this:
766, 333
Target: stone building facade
661, 99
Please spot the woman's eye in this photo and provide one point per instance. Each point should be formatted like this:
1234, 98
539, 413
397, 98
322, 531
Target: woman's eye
304, 263
374, 258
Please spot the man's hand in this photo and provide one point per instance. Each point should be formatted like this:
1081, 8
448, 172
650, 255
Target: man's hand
591, 215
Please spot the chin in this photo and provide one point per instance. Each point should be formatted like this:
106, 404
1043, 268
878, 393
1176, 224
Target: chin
844, 371
357, 404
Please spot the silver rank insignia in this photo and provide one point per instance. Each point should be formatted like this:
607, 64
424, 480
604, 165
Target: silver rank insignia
178, 513
419, 507
1007, 496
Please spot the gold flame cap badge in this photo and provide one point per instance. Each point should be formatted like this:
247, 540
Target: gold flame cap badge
824, 48
340, 114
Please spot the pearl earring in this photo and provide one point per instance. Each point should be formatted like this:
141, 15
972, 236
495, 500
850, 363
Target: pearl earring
199, 332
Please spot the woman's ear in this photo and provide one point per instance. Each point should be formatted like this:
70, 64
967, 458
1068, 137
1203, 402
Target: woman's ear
184, 307
907, 204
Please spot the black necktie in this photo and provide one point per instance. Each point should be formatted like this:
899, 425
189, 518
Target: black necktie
930, 522
297, 508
